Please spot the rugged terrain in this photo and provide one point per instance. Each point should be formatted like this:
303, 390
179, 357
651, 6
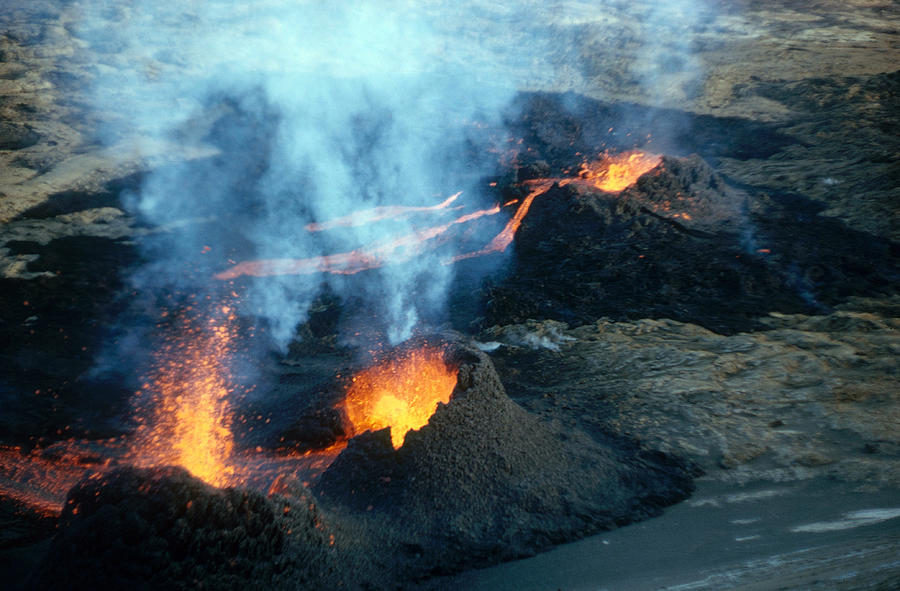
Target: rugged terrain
762, 350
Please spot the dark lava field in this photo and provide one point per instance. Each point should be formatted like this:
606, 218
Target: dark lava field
626, 274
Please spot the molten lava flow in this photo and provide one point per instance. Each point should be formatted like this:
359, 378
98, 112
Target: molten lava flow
401, 394
506, 235
41, 478
610, 173
377, 214
189, 389
616, 172
397, 250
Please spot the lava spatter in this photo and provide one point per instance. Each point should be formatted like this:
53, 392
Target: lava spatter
401, 393
188, 420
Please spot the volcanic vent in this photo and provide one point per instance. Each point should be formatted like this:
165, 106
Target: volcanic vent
482, 480
485, 480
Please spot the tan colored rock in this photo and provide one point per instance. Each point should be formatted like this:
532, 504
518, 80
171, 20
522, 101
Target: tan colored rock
814, 395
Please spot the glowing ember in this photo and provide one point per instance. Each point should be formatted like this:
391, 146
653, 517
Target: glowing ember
401, 394
190, 385
616, 172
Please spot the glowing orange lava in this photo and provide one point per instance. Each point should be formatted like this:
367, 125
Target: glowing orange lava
377, 214
41, 478
615, 172
184, 419
397, 250
502, 240
191, 416
401, 394
610, 173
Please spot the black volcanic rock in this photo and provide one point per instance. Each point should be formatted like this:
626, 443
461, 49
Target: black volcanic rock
164, 529
681, 243
485, 480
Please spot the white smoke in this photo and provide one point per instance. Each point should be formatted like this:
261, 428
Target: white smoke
315, 110
668, 67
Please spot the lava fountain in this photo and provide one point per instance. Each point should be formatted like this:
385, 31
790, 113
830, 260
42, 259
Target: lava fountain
189, 422
401, 393
616, 172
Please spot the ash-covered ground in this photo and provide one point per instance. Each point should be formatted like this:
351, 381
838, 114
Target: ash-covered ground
734, 314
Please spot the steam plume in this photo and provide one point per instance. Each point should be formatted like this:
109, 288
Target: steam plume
312, 112
284, 114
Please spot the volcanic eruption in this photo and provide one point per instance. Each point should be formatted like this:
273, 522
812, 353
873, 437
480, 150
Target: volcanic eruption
185, 408
186, 415
472, 478
400, 394
362, 295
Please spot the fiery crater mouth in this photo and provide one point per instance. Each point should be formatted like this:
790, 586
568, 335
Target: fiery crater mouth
616, 172
401, 393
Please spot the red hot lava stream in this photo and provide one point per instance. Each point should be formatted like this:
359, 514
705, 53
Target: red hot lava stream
361, 218
400, 249
611, 173
189, 418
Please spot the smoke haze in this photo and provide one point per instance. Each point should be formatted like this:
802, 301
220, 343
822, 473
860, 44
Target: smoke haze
303, 112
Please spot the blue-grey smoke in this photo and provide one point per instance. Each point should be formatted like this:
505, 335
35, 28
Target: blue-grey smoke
264, 117
668, 67
300, 112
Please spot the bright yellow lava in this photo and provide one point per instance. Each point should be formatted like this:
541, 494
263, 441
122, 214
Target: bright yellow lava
615, 172
191, 416
401, 394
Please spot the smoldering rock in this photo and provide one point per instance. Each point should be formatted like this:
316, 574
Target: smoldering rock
164, 529
681, 243
485, 480
689, 192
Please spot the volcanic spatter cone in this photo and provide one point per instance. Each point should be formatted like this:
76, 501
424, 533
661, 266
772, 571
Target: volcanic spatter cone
671, 245
161, 528
682, 243
485, 480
